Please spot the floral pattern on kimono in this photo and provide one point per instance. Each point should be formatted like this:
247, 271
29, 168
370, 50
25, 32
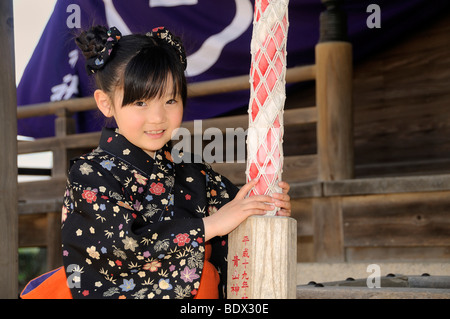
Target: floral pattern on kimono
132, 225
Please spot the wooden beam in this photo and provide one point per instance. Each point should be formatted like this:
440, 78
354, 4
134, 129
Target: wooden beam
371, 186
413, 220
293, 75
74, 141
334, 77
387, 185
50, 108
8, 160
33, 230
299, 116
293, 117
44, 190
300, 168
328, 229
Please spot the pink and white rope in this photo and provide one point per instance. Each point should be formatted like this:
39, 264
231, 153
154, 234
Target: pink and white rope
267, 96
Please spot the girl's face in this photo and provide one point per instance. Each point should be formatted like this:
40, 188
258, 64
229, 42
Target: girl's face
149, 124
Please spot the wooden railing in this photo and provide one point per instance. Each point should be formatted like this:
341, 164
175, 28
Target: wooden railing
293, 75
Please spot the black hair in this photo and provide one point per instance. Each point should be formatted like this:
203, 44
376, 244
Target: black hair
140, 64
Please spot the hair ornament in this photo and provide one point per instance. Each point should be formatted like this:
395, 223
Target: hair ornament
98, 62
164, 34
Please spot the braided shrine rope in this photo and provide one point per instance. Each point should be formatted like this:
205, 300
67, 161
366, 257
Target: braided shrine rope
267, 96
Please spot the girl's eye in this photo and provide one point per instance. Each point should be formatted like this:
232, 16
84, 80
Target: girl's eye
171, 101
140, 103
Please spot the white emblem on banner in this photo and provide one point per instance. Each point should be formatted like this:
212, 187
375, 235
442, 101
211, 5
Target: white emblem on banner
114, 19
210, 51
208, 54
65, 90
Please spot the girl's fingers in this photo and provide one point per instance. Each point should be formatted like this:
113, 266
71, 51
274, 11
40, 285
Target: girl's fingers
261, 198
285, 186
282, 200
259, 204
281, 196
257, 212
246, 188
283, 205
283, 212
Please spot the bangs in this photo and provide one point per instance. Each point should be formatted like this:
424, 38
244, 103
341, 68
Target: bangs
148, 75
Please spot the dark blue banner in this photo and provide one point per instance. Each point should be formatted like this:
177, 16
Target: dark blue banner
216, 35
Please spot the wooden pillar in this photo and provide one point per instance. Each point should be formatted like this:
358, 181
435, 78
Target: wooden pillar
53, 238
8, 159
328, 230
262, 259
64, 125
334, 73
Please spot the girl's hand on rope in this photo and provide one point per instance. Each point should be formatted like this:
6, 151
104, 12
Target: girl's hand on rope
283, 200
240, 208
232, 214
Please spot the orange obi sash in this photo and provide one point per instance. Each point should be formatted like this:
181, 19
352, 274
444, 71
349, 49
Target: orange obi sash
51, 285
209, 282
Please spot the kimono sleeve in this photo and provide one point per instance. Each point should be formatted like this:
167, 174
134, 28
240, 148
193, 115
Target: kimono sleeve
114, 259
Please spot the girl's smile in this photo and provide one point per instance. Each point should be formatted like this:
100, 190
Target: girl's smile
155, 134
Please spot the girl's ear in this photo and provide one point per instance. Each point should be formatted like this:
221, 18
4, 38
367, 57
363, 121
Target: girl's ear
104, 103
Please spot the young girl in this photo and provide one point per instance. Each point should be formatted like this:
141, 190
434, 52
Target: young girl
135, 223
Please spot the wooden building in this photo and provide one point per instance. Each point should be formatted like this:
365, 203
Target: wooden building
397, 206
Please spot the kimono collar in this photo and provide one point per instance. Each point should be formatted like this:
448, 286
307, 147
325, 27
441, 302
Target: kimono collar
118, 146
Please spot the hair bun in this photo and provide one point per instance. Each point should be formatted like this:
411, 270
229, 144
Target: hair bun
96, 45
93, 41
174, 41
